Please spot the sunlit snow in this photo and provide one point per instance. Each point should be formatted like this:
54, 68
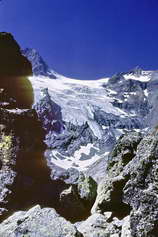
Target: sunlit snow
77, 99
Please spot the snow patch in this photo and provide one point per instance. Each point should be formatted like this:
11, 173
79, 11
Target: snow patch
144, 77
81, 159
146, 92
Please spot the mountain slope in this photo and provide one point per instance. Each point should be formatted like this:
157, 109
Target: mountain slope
89, 116
39, 66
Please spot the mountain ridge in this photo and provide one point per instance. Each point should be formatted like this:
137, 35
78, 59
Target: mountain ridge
109, 106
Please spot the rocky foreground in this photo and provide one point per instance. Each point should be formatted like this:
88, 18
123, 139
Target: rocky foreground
127, 198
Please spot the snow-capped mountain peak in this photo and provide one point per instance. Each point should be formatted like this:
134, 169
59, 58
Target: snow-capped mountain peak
39, 66
83, 118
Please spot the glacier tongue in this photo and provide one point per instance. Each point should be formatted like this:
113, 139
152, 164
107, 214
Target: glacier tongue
83, 119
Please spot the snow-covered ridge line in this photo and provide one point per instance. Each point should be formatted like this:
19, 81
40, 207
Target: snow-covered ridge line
144, 76
93, 114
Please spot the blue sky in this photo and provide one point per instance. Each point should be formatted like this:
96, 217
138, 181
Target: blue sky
86, 39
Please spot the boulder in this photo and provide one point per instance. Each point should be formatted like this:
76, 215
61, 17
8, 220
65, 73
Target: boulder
44, 222
101, 225
77, 200
87, 189
72, 206
126, 229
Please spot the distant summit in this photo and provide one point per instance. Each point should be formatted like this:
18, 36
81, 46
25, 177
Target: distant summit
136, 71
39, 66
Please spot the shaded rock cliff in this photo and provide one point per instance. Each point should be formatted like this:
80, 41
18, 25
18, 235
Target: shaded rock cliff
15, 88
12, 62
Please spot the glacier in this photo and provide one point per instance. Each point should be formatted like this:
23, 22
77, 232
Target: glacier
84, 118
93, 114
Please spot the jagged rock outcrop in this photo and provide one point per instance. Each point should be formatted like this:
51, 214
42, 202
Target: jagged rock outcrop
111, 187
87, 189
130, 94
129, 189
60, 135
79, 197
38, 222
15, 88
140, 192
39, 66
101, 225
50, 114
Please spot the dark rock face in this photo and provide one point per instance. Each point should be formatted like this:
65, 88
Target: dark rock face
19, 156
109, 119
12, 62
15, 88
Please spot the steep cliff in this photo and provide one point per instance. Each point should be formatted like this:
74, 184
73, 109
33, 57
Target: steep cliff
15, 88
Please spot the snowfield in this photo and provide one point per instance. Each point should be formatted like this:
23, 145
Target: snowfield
109, 107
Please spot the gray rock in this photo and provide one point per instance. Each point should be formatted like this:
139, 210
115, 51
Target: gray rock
87, 189
71, 203
37, 222
126, 229
79, 197
140, 192
97, 169
101, 225
110, 189
130, 187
